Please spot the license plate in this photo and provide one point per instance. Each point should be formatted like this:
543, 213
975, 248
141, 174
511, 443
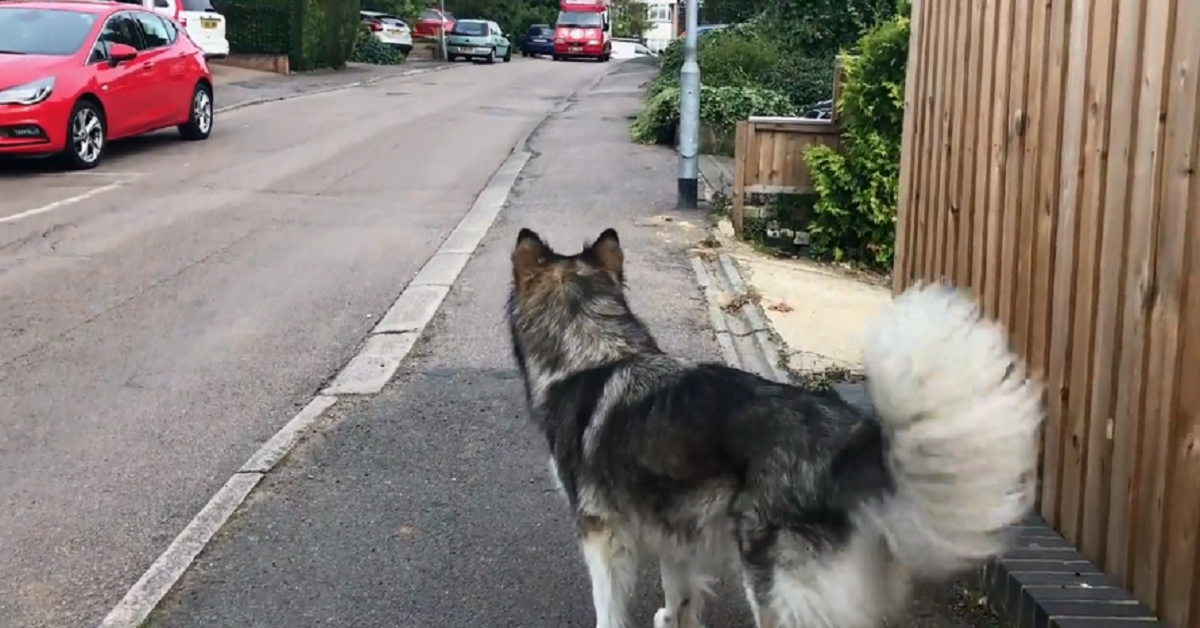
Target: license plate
207, 23
539, 40
575, 48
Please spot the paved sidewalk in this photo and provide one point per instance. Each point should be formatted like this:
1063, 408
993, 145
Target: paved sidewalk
238, 86
430, 505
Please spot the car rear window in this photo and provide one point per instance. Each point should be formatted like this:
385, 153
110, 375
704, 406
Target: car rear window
470, 29
196, 5
391, 20
541, 31
54, 32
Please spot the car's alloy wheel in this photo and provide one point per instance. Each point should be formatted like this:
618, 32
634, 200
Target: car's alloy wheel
88, 137
200, 118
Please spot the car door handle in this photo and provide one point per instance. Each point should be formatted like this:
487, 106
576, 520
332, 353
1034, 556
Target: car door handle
147, 65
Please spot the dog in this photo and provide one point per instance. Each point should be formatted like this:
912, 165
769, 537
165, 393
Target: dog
829, 514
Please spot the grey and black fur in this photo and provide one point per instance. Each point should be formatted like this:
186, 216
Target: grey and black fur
827, 513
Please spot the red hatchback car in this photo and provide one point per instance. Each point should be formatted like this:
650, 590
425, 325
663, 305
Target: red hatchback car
75, 74
432, 22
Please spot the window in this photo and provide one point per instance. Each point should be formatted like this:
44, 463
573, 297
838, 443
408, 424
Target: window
659, 13
470, 29
430, 14
120, 29
580, 18
162, 4
200, 6
42, 31
154, 30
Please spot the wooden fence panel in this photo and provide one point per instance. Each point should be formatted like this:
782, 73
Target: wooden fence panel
769, 158
1049, 164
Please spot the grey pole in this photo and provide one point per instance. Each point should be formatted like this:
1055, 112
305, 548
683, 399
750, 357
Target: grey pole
689, 114
442, 31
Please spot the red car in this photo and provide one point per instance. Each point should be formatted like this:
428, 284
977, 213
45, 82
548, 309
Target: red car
432, 22
75, 74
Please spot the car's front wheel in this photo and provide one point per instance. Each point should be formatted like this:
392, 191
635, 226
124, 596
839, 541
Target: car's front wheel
87, 136
200, 119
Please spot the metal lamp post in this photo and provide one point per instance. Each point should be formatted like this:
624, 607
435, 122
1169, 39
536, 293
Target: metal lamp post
689, 114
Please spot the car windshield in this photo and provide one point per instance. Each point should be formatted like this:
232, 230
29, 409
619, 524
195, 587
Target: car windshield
470, 29
55, 32
579, 18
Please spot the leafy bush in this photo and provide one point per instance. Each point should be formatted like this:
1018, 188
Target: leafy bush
720, 108
806, 80
368, 49
857, 188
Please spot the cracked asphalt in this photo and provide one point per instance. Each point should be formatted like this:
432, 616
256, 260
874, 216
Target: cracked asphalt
155, 333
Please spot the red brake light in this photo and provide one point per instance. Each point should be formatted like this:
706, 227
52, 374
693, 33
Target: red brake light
375, 26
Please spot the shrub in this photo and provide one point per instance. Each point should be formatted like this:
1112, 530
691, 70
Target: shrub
806, 80
368, 49
857, 188
739, 57
720, 108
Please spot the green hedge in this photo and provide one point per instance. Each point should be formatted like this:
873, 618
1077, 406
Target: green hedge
312, 33
720, 108
857, 187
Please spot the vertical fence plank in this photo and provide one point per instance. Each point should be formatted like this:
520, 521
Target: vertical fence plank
942, 90
1144, 202
1090, 227
981, 275
999, 150
951, 145
1059, 494
1125, 85
910, 140
1177, 524
741, 153
1015, 140
1031, 161
958, 250
1056, 124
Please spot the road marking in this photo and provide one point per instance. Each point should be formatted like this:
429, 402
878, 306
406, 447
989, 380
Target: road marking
382, 348
49, 207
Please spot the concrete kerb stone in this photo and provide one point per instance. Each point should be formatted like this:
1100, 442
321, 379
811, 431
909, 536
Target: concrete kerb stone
370, 369
325, 90
753, 319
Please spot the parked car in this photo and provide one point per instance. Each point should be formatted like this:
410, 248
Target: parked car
704, 28
433, 22
75, 75
203, 23
539, 40
623, 48
389, 30
478, 40
822, 110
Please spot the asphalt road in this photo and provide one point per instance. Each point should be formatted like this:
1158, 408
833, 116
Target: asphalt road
156, 331
429, 505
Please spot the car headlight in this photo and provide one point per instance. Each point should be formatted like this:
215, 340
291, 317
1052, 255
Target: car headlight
28, 94
593, 42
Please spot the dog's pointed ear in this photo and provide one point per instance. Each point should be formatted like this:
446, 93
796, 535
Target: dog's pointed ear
606, 250
529, 253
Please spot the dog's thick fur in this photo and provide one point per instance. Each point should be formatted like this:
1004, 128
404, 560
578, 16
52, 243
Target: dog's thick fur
828, 514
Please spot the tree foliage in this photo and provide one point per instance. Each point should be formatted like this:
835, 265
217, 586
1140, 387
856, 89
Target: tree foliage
857, 186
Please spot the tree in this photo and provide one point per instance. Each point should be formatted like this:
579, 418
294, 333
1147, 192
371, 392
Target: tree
629, 18
407, 9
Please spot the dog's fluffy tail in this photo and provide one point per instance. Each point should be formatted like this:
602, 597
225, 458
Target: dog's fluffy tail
962, 421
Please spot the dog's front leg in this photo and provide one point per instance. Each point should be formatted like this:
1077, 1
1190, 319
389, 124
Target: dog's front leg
612, 564
683, 593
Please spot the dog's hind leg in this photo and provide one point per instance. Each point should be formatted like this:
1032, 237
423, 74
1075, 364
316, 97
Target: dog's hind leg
611, 557
683, 592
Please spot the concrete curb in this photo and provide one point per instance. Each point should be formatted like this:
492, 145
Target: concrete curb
745, 338
325, 90
371, 368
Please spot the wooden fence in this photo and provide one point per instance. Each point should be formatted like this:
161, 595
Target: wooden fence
768, 158
1050, 151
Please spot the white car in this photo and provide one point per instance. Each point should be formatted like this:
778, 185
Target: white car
389, 30
204, 25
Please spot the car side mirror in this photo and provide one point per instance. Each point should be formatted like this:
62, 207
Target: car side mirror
119, 53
